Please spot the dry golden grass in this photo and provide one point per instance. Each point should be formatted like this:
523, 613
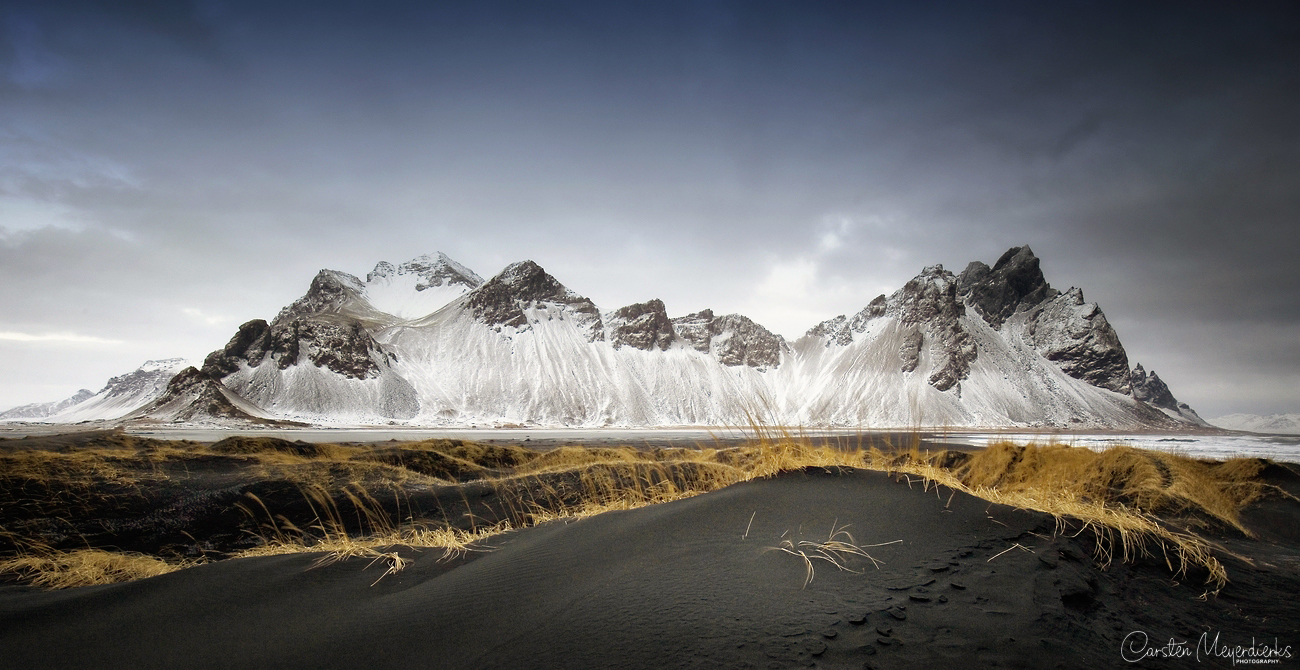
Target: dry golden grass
85, 567
1114, 493
1123, 496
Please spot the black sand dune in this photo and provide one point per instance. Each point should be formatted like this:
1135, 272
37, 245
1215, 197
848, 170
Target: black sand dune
686, 584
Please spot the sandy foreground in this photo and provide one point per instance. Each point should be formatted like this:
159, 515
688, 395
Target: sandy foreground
956, 582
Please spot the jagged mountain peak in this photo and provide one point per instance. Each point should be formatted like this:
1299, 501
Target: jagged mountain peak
507, 299
331, 292
1151, 389
1014, 282
431, 270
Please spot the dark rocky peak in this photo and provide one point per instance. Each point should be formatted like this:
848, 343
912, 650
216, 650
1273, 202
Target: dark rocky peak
928, 309
341, 344
501, 300
1077, 337
737, 340
733, 339
435, 270
1152, 390
927, 297
250, 344
1149, 388
1014, 282
331, 292
644, 325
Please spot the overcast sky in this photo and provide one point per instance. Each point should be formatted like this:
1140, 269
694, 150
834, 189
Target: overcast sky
169, 170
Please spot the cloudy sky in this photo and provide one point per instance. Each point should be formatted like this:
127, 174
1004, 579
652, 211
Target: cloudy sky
169, 170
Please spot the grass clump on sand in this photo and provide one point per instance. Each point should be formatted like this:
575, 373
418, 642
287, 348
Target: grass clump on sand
85, 567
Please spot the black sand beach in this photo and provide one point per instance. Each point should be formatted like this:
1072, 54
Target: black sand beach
693, 583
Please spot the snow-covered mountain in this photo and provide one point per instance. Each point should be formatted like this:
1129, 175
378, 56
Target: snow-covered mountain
1274, 423
119, 397
41, 410
428, 342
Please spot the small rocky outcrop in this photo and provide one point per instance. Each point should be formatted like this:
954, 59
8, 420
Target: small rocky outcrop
694, 328
910, 350
644, 325
1077, 337
1152, 390
1014, 282
193, 395
501, 301
733, 339
836, 331
249, 345
840, 329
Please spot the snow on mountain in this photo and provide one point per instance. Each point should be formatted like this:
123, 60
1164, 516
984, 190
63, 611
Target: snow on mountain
992, 346
419, 286
1274, 423
42, 410
120, 395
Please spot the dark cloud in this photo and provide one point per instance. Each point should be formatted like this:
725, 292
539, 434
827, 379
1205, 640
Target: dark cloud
789, 160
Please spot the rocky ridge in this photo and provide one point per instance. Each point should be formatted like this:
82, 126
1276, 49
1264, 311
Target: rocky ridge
429, 271
732, 339
644, 325
522, 342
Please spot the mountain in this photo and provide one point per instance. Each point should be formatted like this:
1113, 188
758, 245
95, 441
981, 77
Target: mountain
41, 410
119, 397
1274, 423
429, 342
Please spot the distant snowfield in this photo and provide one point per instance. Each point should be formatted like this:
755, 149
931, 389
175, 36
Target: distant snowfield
1218, 447
1274, 423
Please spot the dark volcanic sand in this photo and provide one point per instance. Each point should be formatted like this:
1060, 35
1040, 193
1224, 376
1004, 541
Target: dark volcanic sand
677, 585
